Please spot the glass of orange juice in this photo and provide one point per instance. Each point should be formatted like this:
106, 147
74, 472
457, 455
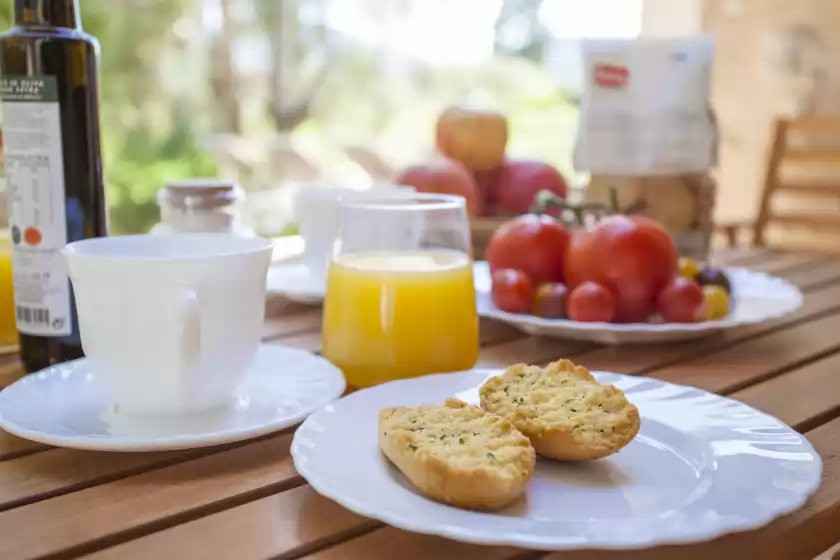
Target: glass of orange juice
8, 328
400, 293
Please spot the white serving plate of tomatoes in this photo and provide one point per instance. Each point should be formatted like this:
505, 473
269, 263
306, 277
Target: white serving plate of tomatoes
756, 298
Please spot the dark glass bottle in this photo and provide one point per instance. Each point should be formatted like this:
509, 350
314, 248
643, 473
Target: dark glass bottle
48, 81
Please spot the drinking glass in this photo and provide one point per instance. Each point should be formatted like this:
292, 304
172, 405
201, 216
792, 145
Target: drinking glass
8, 327
400, 296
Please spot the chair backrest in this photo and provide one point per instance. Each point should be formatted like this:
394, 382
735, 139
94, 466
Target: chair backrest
801, 193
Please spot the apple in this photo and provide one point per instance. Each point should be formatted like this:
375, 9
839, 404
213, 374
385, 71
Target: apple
477, 138
443, 176
517, 182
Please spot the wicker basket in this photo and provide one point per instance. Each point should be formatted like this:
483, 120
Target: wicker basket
482, 230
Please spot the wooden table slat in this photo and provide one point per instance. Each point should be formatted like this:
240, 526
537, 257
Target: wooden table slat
741, 256
43, 475
532, 349
285, 524
785, 262
99, 516
803, 398
305, 321
747, 363
490, 332
812, 277
12, 446
383, 543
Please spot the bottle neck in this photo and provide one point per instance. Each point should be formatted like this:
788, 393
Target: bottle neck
48, 13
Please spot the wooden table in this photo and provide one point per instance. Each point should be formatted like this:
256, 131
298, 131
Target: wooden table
245, 501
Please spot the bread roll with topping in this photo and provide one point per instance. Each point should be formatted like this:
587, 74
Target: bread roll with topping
458, 454
563, 410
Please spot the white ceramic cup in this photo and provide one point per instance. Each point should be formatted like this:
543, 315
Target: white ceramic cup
170, 323
317, 210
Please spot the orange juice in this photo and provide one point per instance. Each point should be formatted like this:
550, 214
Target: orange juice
397, 315
8, 328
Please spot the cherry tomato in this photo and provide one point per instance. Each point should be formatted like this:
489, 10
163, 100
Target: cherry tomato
717, 300
689, 268
714, 277
511, 290
682, 301
536, 245
591, 302
550, 301
632, 256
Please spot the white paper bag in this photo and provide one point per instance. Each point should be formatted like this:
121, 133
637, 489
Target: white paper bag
645, 108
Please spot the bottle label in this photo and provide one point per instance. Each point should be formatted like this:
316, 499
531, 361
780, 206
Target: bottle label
36, 204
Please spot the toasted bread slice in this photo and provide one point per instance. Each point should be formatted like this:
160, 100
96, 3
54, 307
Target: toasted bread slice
563, 410
458, 454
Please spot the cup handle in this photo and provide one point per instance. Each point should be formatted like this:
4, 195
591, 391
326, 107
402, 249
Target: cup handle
188, 315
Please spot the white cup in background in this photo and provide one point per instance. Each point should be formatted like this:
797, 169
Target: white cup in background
317, 210
170, 323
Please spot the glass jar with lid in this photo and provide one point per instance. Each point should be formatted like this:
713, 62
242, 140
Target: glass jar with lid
201, 205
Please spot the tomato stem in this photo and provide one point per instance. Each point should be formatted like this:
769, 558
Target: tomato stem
573, 215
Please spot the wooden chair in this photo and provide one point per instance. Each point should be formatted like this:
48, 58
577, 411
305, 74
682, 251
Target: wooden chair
801, 193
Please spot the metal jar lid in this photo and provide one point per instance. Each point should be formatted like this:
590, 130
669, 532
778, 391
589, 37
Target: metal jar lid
200, 194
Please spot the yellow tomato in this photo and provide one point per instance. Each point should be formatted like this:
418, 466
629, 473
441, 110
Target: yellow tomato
689, 268
717, 302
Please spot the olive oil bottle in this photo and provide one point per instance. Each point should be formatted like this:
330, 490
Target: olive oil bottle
48, 83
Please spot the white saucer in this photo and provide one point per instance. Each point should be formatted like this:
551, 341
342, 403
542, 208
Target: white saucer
702, 466
293, 281
64, 406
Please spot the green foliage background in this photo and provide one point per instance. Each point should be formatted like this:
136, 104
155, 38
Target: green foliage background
164, 98
149, 134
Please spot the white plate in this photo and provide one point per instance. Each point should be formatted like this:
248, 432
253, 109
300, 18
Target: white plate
757, 298
64, 406
702, 466
293, 281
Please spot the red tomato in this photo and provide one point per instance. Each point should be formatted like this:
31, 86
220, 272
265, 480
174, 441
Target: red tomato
536, 245
550, 300
632, 256
511, 290
591, 302
682, 301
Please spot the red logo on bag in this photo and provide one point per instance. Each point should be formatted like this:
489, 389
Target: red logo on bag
611, 76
